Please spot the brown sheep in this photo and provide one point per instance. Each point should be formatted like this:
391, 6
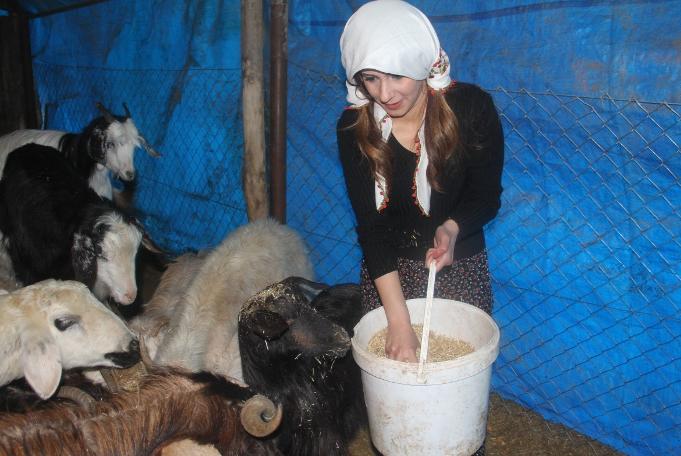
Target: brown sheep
166, 406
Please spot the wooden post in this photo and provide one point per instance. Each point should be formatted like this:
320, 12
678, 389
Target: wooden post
18, 107
253, 107
278, 94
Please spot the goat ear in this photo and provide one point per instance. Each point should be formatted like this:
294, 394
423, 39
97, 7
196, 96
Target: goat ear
265, 324
147, 147
309, 288
95, 145
84, 253
315, 335
149, 243
41, 360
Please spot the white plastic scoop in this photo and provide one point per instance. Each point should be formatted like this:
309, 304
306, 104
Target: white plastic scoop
430, 291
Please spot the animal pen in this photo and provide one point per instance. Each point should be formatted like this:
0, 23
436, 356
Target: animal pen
585, 253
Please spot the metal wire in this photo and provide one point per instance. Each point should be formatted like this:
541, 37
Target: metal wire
585, 252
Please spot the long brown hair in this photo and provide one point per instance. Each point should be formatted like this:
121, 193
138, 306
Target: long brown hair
441, 134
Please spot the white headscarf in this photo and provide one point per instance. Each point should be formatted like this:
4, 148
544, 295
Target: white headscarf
394, 37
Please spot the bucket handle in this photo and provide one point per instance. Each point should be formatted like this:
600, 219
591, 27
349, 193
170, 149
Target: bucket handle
430, 291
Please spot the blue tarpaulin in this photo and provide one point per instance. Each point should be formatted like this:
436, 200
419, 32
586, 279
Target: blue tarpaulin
586, 250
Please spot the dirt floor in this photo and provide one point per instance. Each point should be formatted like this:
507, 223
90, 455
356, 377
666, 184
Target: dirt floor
515, 430
512, 430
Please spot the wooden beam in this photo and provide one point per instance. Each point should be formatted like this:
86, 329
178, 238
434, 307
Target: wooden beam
18, 106
278, 94
253, 108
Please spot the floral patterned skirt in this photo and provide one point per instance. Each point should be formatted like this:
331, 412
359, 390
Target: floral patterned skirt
467, 280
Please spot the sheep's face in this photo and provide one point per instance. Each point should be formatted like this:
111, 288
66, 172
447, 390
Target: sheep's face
118, 242
86, 331
67, 327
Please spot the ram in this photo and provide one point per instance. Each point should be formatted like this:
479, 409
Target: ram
55, 226
54, 325
294, 338
107, 145
166, 406
191, 321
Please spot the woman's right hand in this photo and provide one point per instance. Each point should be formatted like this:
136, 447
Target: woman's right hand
401, 343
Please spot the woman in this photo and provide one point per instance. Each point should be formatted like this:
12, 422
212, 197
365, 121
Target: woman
422, 159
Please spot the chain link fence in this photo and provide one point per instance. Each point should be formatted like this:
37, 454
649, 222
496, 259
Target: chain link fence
191, 196
586, 255
585, 252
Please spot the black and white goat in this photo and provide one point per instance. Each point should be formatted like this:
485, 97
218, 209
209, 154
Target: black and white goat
55, 226
294, 338
107, 145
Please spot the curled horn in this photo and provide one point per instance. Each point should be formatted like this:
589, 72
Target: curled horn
127, 111
78, 396
105, 112
259, 416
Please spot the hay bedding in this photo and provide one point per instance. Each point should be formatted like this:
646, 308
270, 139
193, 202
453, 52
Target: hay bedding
513, 430
440, 348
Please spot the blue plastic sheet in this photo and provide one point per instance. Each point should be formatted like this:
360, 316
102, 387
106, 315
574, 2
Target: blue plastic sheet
585, 253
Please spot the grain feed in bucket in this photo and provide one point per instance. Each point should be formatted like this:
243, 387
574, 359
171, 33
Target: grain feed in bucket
447, 414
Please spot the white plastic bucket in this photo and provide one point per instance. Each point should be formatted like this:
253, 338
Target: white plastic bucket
446, 415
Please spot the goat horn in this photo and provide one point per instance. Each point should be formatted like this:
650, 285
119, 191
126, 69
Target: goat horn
128, 379
259, 416
105, 112
127, 111
147, 363
78, 396
110, 380
146, 146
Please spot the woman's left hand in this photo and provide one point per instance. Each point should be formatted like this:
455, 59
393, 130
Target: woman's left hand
445, 239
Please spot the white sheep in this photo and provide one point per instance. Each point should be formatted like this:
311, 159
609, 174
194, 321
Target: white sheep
191, 321
107, 145
54, 325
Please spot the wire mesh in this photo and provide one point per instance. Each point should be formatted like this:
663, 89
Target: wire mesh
585, 252
190, 197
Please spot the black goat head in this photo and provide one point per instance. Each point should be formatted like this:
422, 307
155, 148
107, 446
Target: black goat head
280, 320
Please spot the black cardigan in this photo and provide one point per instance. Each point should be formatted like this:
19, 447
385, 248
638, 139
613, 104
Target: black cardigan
471, 193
